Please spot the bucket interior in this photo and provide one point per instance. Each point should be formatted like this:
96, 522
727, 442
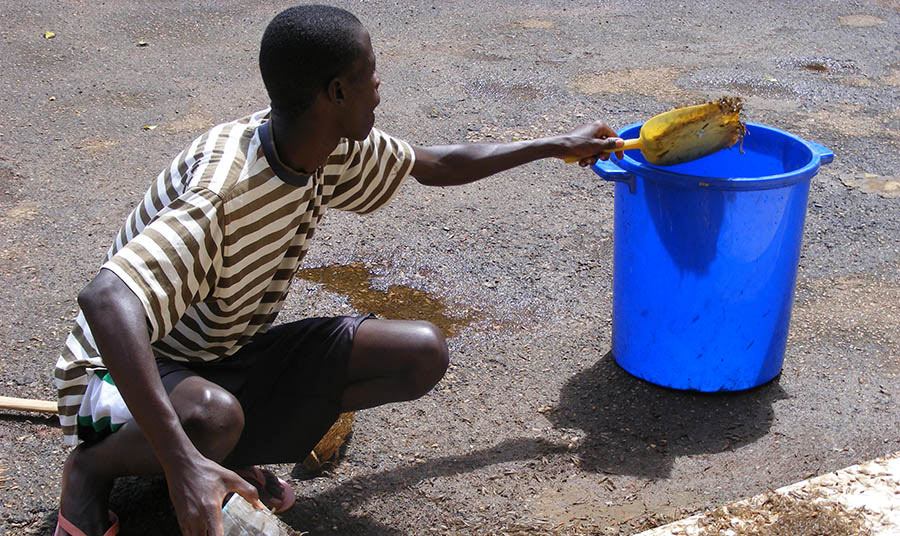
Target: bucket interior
764, 153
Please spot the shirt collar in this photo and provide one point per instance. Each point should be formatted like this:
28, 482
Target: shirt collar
283, 172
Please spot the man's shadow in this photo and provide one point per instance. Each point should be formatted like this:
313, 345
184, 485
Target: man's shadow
144, 508
330, 512
635, 428
631, 427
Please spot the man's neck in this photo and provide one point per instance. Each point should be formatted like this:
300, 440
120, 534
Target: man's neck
302, 144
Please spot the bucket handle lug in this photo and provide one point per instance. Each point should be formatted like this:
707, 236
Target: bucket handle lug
824, 154
609, 171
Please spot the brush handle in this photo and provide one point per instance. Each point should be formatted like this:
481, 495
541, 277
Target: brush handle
633, 143
27, 404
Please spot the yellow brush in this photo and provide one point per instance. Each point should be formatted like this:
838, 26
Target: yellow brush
685, 134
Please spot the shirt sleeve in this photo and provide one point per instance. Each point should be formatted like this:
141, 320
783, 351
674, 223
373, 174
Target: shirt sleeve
376, 167
173, 262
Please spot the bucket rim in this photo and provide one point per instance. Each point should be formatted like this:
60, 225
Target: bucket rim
818, 156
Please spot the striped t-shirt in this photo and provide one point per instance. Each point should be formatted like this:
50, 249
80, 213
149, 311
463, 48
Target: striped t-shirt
212, 247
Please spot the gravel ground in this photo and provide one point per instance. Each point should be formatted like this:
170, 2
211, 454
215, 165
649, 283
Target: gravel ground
535, 429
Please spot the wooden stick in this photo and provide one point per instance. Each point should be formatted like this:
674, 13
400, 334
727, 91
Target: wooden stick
27, 404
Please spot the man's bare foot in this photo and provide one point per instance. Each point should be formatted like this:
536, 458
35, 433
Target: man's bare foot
85, 491
275, 493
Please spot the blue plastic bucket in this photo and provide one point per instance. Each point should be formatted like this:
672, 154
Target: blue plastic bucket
705, 259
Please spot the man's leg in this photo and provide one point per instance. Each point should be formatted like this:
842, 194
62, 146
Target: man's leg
210, 415
393, 361
307, 372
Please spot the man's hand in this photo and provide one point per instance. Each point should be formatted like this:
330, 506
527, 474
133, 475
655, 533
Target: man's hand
589, 143
197, 488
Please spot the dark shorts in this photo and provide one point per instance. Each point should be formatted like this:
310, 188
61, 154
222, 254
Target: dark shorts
289, 382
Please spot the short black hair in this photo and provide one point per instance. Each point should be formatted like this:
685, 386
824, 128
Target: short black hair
302, 50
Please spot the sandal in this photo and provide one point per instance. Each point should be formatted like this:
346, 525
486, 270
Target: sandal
63, 524
274, 492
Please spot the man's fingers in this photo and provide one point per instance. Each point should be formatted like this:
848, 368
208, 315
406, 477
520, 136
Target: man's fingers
245, 490
607, 146
605, 132
598, 129
596, 138
612, 142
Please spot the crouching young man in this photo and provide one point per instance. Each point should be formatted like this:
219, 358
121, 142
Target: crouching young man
176, 366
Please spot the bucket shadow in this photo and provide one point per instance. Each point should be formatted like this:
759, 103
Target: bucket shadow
687, 222
636, 428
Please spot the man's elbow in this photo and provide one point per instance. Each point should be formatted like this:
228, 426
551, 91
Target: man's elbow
104, 289
429, 168
435, 173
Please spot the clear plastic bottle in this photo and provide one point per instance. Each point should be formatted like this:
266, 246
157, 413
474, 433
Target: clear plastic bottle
240, 518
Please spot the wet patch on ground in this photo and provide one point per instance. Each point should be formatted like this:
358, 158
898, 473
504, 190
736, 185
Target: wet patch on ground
504, 90
843, 71
820, 64
742, 83
396, 302
807, 78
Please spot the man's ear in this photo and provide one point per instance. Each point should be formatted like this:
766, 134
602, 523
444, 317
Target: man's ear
336, 90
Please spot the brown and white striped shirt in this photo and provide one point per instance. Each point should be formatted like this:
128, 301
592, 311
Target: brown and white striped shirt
212, 247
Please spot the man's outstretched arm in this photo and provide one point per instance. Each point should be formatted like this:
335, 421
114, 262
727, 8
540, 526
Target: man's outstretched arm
448, 165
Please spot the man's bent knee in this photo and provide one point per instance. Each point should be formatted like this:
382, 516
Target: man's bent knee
432, 358
211, 416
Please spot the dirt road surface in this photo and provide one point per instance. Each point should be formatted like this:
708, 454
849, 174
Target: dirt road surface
535, 429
